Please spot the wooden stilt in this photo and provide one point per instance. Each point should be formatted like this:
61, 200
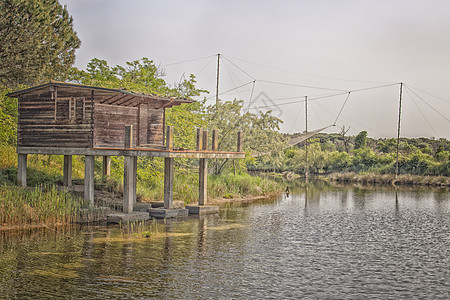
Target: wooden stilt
22, 170
89, 178
67, 173
106, 166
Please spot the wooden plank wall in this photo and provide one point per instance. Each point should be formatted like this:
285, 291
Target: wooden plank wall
38, 127
155, 134
109, 124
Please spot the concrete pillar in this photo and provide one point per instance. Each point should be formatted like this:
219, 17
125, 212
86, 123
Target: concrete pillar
168, 182
203, 181
89, 178
129, 183
67, 173
22, 170
106, 166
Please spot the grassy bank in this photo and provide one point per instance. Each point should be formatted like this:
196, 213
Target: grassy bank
405, 179
41, 205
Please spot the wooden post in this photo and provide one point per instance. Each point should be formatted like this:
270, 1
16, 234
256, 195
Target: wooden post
240, 141
202, 181
169, 138
199, 139
205, 140
168, 182
22, 170
67, 173
106, 166
214, 141
128, 136
89, 178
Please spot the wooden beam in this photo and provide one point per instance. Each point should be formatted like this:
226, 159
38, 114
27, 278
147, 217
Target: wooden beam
128, 152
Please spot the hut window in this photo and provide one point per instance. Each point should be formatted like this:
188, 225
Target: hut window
70, 109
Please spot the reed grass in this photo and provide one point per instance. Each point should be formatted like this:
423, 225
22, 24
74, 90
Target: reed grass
403, 179
41, 205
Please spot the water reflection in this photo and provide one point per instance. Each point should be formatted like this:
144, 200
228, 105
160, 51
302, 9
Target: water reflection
316, 241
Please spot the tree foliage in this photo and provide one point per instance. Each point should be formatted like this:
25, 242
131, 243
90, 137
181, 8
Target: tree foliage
37, 41
261, 131
361, 140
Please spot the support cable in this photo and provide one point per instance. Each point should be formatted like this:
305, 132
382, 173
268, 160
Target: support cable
435, 110
235, 88
339, 114
239, 68
186, 61
421, 113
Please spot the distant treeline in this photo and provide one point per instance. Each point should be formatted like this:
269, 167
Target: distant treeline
328, 153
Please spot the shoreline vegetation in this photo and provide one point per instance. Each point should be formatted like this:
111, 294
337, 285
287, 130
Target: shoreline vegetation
390, 179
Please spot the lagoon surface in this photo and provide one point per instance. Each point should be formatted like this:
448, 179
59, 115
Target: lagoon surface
319, 242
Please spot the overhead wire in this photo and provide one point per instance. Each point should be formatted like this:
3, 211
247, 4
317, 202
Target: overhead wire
238, 87
186, 61
429, 105
429, 94
239, 68
305, 74
421, 113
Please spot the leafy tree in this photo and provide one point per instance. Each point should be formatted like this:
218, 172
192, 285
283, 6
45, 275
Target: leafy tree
8, 118
260, 131
37, 41
361, 140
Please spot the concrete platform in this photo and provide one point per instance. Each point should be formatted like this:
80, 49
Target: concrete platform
119, 217
160, 204
161, 213
202, 210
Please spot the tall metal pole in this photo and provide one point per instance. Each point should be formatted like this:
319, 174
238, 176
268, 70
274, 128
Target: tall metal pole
398, 127
217, 84
306, 141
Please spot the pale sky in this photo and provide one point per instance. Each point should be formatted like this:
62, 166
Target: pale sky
342, 45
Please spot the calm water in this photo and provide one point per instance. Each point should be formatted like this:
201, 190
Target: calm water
323, 243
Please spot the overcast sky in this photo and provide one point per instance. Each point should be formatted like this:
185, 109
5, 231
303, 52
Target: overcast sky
283, 45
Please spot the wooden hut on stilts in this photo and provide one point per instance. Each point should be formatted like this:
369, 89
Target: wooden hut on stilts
60, 118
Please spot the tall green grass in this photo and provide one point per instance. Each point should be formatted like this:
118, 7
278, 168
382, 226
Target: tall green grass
41, 205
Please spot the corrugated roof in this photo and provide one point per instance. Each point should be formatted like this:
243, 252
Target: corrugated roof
76, 90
